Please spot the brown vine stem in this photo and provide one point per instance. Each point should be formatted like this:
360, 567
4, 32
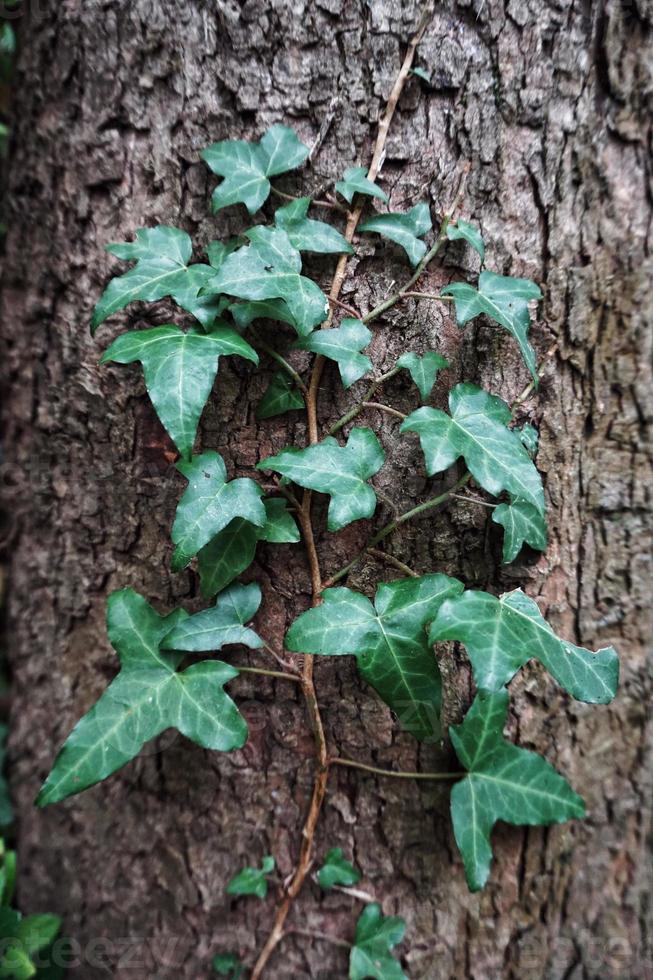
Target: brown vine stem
394, 562
396, 773
306, 525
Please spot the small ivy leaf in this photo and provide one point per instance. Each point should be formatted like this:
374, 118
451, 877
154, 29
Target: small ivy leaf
404, 229
343, 345
376, 935
389, 642
6, 808
522, 523
504, 782
223, 624
252, 881
336, 870
228, 965
280, 526
421, 73
355, 181
340, 471
501, 635
423, 369
469, 233
306, 234
270, 268
232, 550
162, 255
179, 370
246, 167
25, 942
280, 396
217, 252
503, 299
7, 874
147, 697
263, 309
209, 503
477, 429
530, 438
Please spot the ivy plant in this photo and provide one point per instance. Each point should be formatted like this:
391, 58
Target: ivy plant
393, 629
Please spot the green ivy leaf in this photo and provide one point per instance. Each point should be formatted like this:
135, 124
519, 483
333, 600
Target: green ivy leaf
148, 696
218, 251
162, 255
530, 438
252, 881
404, 229
504, 782
223, 624
270, 268
376, 935
477, 429
389, 642
232, 550
340, 471
336, 870
280, 396
228, 965
503, 299
306, 234
179, 370
501, 635
246, 167
209, 503
355, 181
6, 808
263, 309
469, 233
522, 523
343, 345
24, 939
421, 73
423, 369
7, 874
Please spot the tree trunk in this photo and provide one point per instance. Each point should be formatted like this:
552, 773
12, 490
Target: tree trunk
548, 101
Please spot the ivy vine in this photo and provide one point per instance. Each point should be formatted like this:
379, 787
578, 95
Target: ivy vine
219, 521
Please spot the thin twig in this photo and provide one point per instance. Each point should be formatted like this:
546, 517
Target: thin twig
473, 500
385, 408
323, 936
279, 659
391, 560
430, 255
359, 406
437, 296
531, 384
393, 525
333, 205
288, 368
343, 306
397, 774
354, 893
269, 673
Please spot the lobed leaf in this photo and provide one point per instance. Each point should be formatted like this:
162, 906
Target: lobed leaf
179, 370
340, 471
371, 952
467, 232
162, 255
343, 345
223, 624
503, 299
232, 550
477, 429
306, 234
504, 782
501, 635
269, 268
228, 965
263, 309
404, 229
280, 396
336, 870
148, 696
252, 881
389, 642
423, 369
522, 523
209, 503
355, 181
246, 167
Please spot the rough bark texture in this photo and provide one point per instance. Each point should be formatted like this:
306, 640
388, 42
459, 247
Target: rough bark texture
549, 100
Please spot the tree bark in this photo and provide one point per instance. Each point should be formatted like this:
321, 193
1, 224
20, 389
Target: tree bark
549, 100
